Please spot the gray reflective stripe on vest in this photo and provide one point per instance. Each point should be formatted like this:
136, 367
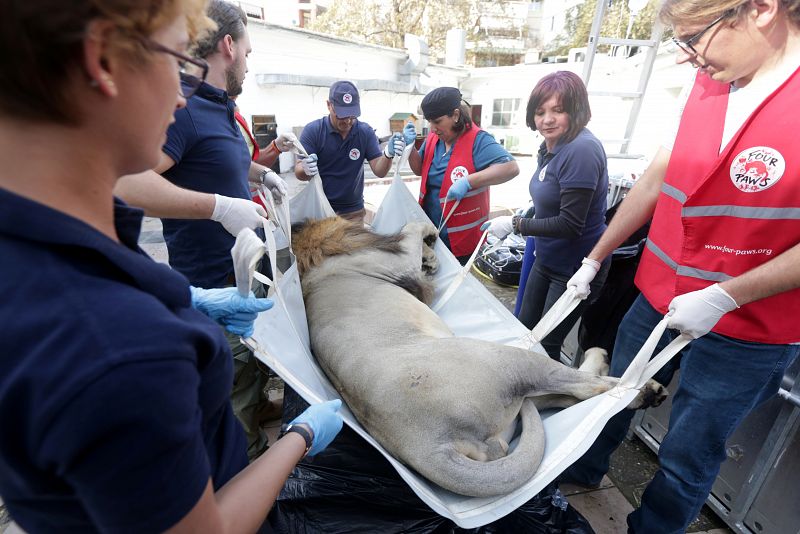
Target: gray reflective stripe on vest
470, 193
467, 226
742, 212
683, 270
673, 192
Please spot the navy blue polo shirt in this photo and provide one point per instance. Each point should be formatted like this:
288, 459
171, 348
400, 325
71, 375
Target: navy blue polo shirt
579, 164
485, 152
341, 161
210, 156
114, 391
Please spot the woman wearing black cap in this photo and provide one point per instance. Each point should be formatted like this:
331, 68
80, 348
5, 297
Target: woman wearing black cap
458, 162
569, 193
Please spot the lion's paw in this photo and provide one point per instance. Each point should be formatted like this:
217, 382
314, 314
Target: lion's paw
650, 396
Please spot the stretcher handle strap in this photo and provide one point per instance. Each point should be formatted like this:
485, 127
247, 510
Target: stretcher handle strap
246, 252
559, 311
459, 278
642, 368
443, 220
277, 212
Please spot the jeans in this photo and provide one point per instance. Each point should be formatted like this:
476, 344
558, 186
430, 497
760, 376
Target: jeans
543, 288
722, 380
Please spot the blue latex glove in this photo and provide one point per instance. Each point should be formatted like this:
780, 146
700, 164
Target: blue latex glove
324, 421
458, 189
409, 133
395, 145
227, 307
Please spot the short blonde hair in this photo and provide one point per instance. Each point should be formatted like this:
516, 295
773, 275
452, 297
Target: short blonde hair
697, 12
43, 42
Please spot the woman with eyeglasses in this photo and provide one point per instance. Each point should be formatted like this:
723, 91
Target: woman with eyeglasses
113, 389
722, 258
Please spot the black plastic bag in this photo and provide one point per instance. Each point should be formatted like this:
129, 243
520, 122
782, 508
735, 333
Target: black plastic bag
351, 487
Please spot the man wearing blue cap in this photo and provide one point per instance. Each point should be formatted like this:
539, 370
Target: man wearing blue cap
337, 146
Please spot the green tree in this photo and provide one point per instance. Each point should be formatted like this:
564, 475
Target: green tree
385, 22
578, 25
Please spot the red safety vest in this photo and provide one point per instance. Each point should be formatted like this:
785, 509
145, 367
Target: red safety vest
253, 156
720, 215
464, 226
240, 120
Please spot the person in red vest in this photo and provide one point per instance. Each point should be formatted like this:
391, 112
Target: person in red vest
458, 162
266, 156
722, 259
569, 190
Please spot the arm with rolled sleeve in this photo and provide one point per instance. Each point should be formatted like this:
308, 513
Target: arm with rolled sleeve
310, 139
493, 164
636, 209
378, 162
415, 159
159, 197
697, 312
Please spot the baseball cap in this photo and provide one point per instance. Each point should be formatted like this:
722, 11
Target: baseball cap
344, 97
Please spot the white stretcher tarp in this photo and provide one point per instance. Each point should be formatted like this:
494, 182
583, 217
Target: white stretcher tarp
281, 341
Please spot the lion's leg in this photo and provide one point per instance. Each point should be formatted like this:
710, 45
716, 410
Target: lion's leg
556, 385
595, 361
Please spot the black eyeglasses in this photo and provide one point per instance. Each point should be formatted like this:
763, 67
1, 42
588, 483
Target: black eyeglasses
193, 71
686, 45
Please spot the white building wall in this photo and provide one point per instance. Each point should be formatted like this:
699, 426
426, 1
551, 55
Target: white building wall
290, 70
609, 114
553, 18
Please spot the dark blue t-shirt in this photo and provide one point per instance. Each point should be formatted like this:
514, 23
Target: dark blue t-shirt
485, 152
341, 161
210, 156
579, 164
114, 392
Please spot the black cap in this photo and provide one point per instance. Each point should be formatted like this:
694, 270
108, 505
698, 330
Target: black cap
440, 101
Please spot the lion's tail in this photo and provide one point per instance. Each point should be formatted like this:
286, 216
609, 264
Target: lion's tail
466, 476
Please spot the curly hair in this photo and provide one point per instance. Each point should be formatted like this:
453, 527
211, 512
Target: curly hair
43, 43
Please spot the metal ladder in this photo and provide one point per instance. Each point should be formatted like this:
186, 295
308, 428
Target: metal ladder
595, 40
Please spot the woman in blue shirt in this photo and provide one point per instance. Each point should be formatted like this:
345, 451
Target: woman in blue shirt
114, 387
569, 191
458, 162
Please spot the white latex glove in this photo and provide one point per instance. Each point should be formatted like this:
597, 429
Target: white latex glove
500, 227
235, 214
583, 277
309, 164
696, 313
395, 146
275, 184
285, 141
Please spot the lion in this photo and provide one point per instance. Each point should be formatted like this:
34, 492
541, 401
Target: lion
445, 406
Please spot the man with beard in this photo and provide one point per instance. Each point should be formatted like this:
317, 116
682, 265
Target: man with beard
207, 159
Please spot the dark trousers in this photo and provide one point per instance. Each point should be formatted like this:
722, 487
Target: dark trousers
722, 380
